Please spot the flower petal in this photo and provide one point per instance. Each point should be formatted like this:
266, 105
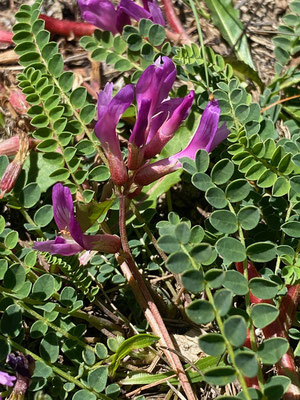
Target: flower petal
133, 10
6, 379
109, 113
155, 83
220, 135
155, 11
63, 207
64, 247
167, 130
205, 134
101, 13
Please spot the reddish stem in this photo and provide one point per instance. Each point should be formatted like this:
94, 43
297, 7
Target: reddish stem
60, 27
279, 328
174, 21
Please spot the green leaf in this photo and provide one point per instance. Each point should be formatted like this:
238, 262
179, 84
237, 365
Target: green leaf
193, 280
202, 160
101, 350
235, 329
178, 262
224, 221
215, 277
168, 244
144, 26
225, 17
220, 376
135, 42
43, 215
238, 190
216, 197
97, 379
231, 249
263, 314
263, 288
248, 217
200, 312
156, 34
271, 350
88, 113
38, 329
56, 65
267, 179
202, 181
49, 348
66, 81
68, 296
133, 343
11, 321
291, 228
222, 300
276, 386
212, 344
87, 214
222, 171
14, 277
262, 251
30, 195
202, 253
182, 233
84, 394
43, 287
247, 363
78, 97
236, 282
11, 240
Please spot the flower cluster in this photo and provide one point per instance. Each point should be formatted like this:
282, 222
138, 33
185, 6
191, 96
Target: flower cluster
105, 16
158, 118
71, 239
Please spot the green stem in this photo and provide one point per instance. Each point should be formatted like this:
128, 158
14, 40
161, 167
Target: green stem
248, 303
288, 214
31, 222
228, 345
201, 42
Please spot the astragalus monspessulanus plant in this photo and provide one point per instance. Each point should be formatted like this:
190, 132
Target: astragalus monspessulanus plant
96, 281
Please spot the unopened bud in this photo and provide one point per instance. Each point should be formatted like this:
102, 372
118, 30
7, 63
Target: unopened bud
13, 170
18, 100
10, 147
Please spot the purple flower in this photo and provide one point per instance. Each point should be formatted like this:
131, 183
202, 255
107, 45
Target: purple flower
6, 379
72, 240
157, 118
105, 16
110, 110
208, 136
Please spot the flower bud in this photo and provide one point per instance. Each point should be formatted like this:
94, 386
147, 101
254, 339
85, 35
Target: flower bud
13, 170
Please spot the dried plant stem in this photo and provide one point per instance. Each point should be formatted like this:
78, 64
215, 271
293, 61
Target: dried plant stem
146, 302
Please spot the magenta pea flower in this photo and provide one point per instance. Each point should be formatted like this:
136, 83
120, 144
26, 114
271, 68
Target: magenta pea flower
6, 379
208, 136
157, 118
105, 16
110, 110
71, 239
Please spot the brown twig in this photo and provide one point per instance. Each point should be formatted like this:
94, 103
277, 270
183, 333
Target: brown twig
145, 300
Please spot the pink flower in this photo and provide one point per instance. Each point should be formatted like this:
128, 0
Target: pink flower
208, 136
72, 240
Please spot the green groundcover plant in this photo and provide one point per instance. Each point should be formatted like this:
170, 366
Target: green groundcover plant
81, 239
